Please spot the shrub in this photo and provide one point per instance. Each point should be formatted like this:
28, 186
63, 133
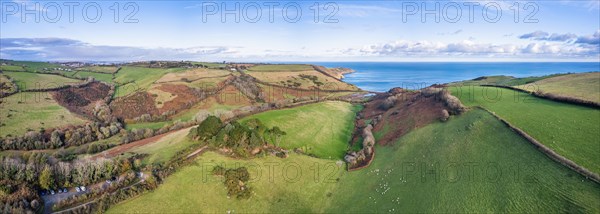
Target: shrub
208, 128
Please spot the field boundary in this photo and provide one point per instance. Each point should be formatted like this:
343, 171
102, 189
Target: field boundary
553, 97
547, 151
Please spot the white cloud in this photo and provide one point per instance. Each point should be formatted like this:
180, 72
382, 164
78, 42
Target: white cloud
404, 48
60, 49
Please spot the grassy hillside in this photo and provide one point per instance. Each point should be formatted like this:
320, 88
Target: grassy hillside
98, 76
322, 129
166, 147
470, 164
569, 130
585, 86
99, 69
305, 79
482, 167
503, 80
142, 78
195, 189
34, 66
26, 80
283, 67
32, 111
11, 68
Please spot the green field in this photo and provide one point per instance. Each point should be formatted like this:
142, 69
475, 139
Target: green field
147, 125
99, 69
27, 80
210, 64
322, 129
32, 66
195, 189
143, 78
11, 68
31, 111
482, 166
98, 76
585, 86
570, 130
166, 147
283, 67
470, 164
503, 80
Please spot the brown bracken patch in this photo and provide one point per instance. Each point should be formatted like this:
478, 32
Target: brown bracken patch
133, 105
409, 110
82, 100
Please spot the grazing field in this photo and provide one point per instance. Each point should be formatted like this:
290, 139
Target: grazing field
305, 79
104, 77
290, 185
31, 111
481, 166
210, 64
192, 75
11, 68
210, 104
321, 129
142, 78
570, 130
503, 80
147, 125
98, 69
282, 67
584, 86
166, 147
26, 80
471, 164
35, 66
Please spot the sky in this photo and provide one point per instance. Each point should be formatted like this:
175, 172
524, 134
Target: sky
270, 31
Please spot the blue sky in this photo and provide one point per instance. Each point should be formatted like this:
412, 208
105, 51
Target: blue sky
356, 31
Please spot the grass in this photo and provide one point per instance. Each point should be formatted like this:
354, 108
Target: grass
150, 125
27, 80
297, 184
99, 69
11, 68
570, 130
470, 164
321, 129
585, 86
166, 147
504, 80
290, 78
192, 74
35, 66
142, 78
281, 67
210, 104
470, 151
104, 77
31, 111
210, 64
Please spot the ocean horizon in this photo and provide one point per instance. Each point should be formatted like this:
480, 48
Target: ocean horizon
382, 76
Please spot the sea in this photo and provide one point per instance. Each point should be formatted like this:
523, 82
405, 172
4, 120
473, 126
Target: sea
382, 76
